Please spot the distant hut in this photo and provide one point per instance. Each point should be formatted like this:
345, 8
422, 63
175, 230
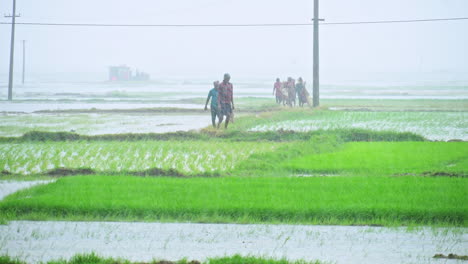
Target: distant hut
120, 73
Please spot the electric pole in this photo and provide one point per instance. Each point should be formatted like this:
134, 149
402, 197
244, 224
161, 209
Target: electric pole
24, 58
316, 94
12, 50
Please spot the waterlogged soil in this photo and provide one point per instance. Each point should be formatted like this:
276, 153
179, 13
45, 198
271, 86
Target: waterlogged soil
437, 126
43, 241
30, 107
102, 123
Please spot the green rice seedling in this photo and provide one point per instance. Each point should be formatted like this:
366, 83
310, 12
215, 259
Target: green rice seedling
388, 158
187, 157
404, 200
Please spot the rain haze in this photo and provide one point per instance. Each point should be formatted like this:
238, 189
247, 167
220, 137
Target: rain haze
183, 144
431, 51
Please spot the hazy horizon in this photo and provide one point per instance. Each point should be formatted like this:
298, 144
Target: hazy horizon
264, 52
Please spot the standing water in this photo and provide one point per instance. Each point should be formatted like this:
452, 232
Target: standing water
43, 241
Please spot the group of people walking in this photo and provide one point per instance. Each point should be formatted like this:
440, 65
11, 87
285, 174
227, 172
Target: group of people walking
222, 102
287, 92
222, 99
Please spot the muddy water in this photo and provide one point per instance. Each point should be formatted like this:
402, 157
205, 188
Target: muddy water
29, 107
42, 241
98, 124
150, 124
9, 187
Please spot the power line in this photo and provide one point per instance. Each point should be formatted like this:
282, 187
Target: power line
238, 25
397, 21
155, 25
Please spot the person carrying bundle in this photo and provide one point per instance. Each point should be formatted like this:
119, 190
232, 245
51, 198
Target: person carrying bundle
302, 93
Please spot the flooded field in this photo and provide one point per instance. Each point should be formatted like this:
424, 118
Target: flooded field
100, 123
42, 241
30, 107
26, 112
432, 125
138, 241
180, 88
9, 187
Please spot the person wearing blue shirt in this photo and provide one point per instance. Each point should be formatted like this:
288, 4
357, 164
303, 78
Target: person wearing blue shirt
213, 95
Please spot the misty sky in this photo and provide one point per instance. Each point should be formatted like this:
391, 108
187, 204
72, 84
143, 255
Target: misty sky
263, 52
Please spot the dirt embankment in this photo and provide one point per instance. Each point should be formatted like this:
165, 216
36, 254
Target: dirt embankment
435, 174
450, 256
152, 172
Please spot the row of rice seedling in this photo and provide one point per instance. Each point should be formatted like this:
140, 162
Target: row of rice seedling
319, 200
432, 125
187, 157
388, 158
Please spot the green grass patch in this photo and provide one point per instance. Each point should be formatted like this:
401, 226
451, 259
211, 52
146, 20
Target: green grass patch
273, 163
321, 200
387, 158
96, 259
8, 260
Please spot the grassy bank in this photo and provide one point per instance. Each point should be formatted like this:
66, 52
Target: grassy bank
95, 259
333, 200
209, 134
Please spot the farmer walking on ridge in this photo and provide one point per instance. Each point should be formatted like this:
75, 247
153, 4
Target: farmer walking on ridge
277, 91
213, 95
291, 92
225, 100
302, 93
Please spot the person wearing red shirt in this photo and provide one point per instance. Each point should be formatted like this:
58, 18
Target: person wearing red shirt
225, 100
277, 91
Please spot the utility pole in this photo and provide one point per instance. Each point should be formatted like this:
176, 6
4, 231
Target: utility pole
316, 83
12, 50
24, 58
